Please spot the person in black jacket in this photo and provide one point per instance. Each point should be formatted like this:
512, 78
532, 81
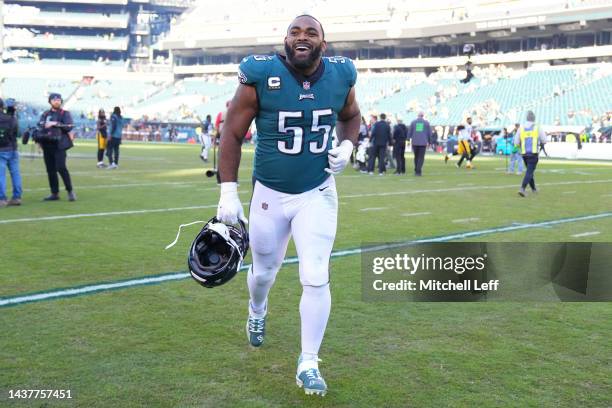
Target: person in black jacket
400, 133
380, 139
9, 156
55, 137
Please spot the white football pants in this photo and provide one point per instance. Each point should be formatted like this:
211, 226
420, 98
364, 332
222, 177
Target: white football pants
311, 218
205, 142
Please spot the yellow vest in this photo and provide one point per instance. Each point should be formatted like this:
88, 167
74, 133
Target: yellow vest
529, 141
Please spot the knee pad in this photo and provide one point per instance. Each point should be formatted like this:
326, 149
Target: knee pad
265, 274
317, 291
314, 273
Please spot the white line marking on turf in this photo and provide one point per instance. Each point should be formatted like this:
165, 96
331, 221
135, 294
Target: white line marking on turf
8, 301
415, 214
586, 234
435, 190
106, 214
129, 185
445, 190
460, 220
92, 288
374, 209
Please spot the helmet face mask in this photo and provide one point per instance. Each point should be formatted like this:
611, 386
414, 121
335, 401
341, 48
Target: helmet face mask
217, 252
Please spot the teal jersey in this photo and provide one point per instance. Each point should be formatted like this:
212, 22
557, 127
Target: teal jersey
296, 118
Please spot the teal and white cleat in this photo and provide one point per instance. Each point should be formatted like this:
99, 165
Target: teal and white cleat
255, 330
309, 377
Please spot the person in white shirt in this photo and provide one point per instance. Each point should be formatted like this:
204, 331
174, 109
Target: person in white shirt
205, 141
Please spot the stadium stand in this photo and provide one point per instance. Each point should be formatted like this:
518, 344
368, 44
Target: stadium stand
550, 56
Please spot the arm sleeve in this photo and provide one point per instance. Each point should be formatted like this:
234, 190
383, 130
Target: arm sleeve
352, 72
15, 127
67, 118
113, 124
373, 133
409, 130
396, 131
517, 138
41, 121
542, 136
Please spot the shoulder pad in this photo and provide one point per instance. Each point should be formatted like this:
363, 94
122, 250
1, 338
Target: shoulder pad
253, 68
346, 67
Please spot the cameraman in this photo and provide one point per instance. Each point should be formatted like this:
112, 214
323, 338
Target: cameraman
55, 137
9, 156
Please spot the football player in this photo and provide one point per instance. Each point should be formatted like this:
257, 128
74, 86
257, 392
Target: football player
465, 144
296, 100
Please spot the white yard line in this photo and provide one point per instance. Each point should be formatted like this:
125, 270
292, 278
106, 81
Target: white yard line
496, 187
129, 185
106, 214
415, 214
586, 234
461, 220
247, 191
374, 209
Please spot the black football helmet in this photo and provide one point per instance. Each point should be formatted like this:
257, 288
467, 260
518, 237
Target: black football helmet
216, 254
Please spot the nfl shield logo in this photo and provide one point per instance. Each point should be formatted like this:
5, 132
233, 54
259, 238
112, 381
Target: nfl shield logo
264, 206
306, 85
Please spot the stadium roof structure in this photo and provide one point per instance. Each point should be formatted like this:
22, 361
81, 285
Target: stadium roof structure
234, 25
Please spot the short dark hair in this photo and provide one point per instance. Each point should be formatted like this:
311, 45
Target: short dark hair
117, 110
383, 116
314, 18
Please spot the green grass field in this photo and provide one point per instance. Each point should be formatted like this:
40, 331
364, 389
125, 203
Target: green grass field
178, 344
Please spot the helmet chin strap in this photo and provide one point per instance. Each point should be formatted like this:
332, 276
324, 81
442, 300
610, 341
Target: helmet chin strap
224, 233
178, 234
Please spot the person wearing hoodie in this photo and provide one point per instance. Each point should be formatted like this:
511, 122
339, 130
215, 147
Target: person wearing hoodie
114, 140
528, 139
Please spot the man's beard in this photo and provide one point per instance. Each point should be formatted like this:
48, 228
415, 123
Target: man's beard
315, 54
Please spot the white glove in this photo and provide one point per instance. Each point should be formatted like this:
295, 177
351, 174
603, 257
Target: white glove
229, 210
339, 156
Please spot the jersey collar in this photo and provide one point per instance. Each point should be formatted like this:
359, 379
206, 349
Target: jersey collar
301, 78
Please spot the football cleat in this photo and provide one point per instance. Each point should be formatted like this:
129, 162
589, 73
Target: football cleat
309, 377
256, 330
445, 158
216, 254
